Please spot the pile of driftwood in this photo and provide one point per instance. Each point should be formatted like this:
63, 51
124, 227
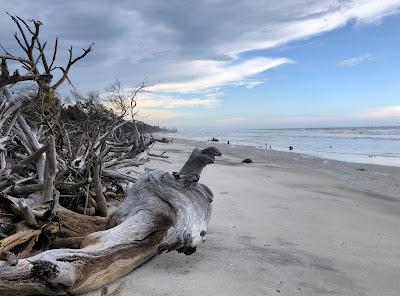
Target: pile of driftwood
70, 220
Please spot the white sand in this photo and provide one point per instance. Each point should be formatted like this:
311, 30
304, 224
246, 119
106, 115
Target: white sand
287, 224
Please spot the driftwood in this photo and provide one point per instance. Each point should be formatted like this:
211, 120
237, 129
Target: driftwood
51, 171
161, 155
70, 221
163, 140
162, 212
101, 209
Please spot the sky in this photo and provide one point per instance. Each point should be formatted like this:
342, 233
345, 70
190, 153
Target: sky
233, 64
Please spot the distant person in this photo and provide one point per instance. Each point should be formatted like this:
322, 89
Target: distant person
227, 143
270, 147
330, 147
290, 148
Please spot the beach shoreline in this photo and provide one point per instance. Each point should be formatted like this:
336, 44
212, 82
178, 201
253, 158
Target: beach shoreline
374, 177
372, 145
286, 224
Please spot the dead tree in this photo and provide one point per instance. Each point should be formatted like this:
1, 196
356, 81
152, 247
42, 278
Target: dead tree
70, 220
39, 67
125, 104
162, 212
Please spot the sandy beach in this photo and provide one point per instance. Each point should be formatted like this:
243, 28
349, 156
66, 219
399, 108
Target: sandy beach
102, 104
286, 224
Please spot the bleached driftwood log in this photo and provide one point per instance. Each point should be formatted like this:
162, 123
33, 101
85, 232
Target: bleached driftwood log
162, 212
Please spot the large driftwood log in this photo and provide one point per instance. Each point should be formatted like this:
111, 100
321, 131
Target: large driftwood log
58, 166
162, 212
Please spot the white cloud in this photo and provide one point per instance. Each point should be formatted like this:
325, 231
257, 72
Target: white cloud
317, 17
355, 60
154, 115
290, 21
159, 109
191, 46
214, 74
154, 100
381, 112
253, 84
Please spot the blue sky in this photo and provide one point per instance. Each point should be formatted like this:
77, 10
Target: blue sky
319, 89
235, 64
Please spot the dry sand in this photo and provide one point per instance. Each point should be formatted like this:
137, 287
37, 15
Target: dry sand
287, 224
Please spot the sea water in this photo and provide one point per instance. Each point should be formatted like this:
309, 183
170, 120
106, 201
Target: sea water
377, 145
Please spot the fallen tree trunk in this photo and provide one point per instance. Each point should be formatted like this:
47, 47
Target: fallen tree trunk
162, 212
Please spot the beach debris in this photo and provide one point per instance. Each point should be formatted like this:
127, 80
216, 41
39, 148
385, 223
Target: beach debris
163, 140
69, 218
360, 169
160, 213
247, 160
161, 155
10, 257
196, 162
214, 140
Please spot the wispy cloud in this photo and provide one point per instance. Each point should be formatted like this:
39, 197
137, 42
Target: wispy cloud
214, 74
154, 107
381, 112
157, 116
355, 60
154, 100
253, 84
314, 18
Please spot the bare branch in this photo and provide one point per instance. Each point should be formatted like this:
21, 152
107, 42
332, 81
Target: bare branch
36, 56
54, 54
71, 62
42, 56
15, 20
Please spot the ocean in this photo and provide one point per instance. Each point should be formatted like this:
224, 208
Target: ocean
376, 145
